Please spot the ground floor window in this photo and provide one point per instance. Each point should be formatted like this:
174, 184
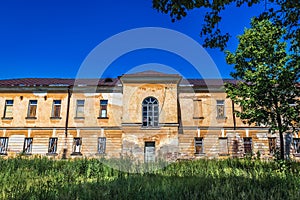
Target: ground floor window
248, 145
52, 148
3, 145
198, 145
101, 145
27, 148
296, 145
272, 144
77, 143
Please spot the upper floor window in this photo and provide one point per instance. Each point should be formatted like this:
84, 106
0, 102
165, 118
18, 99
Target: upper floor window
150, 112
197, 109
220, 109
103, 108
8, 109
32, 108
56, 107
80, 108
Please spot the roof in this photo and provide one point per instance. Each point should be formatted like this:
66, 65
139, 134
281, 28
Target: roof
66, 82
33, 82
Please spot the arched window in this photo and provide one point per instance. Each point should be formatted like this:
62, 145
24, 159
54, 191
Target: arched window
150, 112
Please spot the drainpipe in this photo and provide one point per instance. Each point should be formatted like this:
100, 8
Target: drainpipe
233, 116
64, 156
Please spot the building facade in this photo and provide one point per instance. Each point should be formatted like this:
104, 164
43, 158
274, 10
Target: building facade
146, 116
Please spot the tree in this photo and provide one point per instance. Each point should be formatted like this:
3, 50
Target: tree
285, 13
267, 77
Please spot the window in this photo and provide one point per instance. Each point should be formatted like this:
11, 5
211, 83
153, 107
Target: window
150, 112
248, 145
52, 146
272, 144
8, 109
197, 109
103, 108
32, 109
80, 109
56, 107
101, 145
198, 145
296, 145
77, 142
3, 145
220, 109
27, 149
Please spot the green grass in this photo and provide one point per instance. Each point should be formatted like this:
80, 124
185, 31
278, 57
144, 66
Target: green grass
42, 178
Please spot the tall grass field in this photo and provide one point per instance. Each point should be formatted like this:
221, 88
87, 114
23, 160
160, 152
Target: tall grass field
42, 178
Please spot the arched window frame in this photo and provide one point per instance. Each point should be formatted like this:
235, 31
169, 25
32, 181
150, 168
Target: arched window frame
150, 112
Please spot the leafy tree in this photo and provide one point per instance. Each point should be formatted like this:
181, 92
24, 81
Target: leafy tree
285, 13
267, 79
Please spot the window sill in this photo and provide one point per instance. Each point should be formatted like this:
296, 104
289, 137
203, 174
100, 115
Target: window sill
76, 154
198, 117
78, 117
221, 118
55, 117
51, 154
150, 128
30, 117
296, 154
102, 117
6, 118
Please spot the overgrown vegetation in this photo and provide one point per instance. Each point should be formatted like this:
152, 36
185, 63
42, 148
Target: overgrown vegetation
42, 178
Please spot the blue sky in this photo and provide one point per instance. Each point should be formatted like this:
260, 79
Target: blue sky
51, 38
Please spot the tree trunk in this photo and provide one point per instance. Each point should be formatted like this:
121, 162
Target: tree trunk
281, 145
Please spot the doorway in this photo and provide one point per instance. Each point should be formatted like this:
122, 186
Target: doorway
149, 152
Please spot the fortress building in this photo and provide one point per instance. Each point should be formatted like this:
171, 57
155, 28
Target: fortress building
147, 116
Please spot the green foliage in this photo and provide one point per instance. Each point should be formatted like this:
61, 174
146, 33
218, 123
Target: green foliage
267, 89
283, 13
42, 178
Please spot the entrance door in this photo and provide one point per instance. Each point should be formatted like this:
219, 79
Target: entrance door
149, 151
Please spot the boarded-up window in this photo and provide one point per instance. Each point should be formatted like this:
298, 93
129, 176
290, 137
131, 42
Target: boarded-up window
27, 148
272, 144
220, 109
223, 144
197, 109
56, 108
32, 108
198, 145
52, 148
80, 108
101, 145
248, 145
8, 109
103, 108
3, 145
